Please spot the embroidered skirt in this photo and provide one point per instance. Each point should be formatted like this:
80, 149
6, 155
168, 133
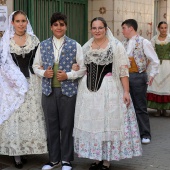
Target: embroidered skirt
24, 132
159, 92
95, 130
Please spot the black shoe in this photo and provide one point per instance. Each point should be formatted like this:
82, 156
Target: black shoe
18, 165
103, 167
95, 166
23, 160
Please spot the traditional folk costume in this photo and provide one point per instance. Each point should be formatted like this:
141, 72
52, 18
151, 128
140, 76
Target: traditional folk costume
22, 125
58, 98
140, 51
104, 128
159, 93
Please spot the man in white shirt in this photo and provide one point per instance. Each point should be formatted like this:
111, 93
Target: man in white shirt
141, 53
53, 62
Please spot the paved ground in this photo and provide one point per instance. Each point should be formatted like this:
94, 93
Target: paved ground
156, 156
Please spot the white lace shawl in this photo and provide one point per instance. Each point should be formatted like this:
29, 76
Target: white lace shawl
13, 84
100, 57
155, 40
30, 44
120, 59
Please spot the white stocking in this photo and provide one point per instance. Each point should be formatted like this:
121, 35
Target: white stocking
17, 158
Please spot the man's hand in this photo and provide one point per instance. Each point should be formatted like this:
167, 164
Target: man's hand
49, 72
150, 80
75, 67
61, 75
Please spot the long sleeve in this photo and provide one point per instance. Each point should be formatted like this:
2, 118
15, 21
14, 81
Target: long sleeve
152, 57
80, 61
38, 63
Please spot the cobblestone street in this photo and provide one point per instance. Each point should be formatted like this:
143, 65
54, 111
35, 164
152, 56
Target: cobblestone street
156, 155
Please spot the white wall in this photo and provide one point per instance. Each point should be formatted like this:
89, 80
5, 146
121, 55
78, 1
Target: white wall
10, 5
163, 10
119, 10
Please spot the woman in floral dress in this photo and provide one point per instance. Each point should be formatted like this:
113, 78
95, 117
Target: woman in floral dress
105, 126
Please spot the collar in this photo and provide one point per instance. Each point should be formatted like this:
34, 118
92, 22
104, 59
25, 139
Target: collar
59, 41
134, 37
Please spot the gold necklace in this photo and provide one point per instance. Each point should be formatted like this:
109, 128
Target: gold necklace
162, 36
20, 36
100, 44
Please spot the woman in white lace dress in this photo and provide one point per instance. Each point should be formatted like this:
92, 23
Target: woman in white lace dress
105, 123
22, 129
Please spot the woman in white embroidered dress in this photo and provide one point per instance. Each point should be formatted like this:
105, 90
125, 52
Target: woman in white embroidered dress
22, 129
105, 123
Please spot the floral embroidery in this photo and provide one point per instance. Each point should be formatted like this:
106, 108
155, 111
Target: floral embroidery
138, 53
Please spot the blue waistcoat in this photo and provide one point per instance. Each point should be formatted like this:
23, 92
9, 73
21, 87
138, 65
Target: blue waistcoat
67, 58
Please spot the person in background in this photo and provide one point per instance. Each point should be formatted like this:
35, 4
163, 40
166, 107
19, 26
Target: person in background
159, 93
105, 126
22, 125
140, 52
59, 87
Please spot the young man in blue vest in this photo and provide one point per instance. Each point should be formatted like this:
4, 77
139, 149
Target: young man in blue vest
53, 62
140, 52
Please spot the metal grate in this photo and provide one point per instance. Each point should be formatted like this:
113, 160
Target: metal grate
40, 11
77, 17
21, 5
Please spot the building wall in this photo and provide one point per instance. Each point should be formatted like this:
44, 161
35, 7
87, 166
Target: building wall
163, 10
116, 11
100, 8
10, 5
168, 13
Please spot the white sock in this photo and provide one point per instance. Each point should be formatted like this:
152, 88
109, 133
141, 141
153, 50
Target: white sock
106, 163
65, 162
17, 158
66, 167
54, 162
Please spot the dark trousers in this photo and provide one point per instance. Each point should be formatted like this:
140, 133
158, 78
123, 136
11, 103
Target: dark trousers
59, 116
138, 90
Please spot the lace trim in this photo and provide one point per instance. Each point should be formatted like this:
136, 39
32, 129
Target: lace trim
124, 71
100, 57
30, 44
155, 40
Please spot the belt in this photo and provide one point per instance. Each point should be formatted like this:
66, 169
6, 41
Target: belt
109, 74
138, 72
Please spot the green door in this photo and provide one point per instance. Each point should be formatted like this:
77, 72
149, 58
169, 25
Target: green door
40, 11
